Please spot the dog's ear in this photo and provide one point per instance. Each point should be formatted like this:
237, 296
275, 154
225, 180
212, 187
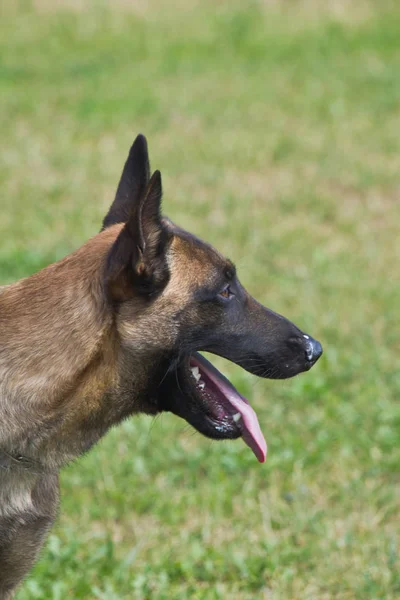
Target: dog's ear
136, 263
132, 185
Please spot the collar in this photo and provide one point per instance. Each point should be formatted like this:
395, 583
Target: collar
10, 462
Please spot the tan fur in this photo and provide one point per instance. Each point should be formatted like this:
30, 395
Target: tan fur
62, 356
52, 330
81, 346
110, 331
58, 359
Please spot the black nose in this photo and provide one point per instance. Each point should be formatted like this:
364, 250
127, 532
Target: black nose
313, 349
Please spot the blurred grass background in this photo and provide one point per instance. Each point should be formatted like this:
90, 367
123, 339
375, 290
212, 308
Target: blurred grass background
276, 126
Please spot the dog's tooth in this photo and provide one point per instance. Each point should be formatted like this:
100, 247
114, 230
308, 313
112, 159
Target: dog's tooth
196, 373
201, 385
236, 417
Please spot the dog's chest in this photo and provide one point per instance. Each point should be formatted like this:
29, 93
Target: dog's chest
16, 492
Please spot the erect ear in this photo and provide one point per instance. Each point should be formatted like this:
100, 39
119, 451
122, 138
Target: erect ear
132, 185
137, 260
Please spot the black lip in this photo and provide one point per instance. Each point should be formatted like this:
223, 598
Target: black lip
185, 401
178, 394
208, 424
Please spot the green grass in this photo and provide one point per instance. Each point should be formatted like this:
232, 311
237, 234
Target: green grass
277, 129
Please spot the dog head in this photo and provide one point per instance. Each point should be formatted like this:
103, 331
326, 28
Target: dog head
173, 295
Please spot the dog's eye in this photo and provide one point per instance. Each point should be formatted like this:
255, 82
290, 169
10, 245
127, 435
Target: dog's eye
226, 293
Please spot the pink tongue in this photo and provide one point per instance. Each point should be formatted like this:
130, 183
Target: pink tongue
248, 423
251, 432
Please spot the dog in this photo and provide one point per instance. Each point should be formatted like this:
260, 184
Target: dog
115, 329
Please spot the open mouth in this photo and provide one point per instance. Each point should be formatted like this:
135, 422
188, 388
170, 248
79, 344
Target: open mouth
209, 402
197, 392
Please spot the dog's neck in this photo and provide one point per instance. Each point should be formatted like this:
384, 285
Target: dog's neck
18, 462
52, 325
64, 376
